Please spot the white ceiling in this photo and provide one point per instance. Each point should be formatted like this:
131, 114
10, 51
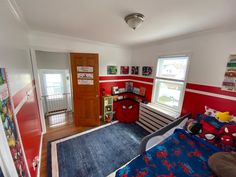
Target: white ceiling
102, 20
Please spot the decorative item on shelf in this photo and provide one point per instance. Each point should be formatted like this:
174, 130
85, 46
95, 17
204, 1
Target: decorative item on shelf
135, 70
136, 90
115, 90
129, 86
108, 108
229, 83
115, 97
102, 91
120, 97
112, 70
121, 90
124, 70
108, 118
142, 91
147, 71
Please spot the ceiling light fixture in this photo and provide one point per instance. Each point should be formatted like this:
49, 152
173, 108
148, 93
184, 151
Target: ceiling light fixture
134, 20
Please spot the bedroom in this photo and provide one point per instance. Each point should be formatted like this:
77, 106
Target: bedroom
204, 32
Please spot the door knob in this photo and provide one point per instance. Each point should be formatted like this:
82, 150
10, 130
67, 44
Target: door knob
97, 96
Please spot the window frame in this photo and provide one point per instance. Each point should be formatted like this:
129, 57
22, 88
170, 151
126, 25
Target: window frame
184, 81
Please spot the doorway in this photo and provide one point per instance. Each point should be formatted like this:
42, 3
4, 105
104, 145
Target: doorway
54, 81
85, 81
56, 96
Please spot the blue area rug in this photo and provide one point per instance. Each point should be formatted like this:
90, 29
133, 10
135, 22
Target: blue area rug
98, 153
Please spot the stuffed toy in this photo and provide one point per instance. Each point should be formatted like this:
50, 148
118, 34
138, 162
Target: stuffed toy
233, 120
223, 116
227, 137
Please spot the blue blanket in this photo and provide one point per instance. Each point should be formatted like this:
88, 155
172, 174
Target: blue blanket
181, 155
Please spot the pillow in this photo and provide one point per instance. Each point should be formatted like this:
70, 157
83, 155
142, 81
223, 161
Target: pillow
157, 139
210, 127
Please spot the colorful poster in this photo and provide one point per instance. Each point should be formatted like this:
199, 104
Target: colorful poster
111, 69
124, 70
7, 118
135, 70
147, 71
229, 83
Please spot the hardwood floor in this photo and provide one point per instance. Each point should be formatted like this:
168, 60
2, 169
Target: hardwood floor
58, 126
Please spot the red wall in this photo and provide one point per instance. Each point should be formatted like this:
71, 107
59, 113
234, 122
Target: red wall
29, 123
196, 95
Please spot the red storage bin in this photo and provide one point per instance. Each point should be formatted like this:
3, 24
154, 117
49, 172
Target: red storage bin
127, 111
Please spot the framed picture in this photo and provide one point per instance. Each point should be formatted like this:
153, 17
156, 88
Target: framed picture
111, 69
135, 70
124, 70
147, 71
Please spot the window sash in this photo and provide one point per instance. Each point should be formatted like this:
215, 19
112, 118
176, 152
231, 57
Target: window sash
159, 78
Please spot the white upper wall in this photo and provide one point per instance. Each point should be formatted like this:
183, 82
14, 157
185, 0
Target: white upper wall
209, 54
108, 54
14, 49
52, 60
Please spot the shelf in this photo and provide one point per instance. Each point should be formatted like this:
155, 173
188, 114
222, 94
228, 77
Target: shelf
128, 93
125, 99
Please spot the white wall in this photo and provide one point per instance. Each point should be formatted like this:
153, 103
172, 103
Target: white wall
14, 49
209, 54
52, 60
14, 55
108, 54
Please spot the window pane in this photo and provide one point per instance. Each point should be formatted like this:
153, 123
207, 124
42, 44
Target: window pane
169, 93
54, 84
173, 68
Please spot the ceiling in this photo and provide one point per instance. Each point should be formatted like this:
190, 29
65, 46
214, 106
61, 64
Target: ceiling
102, 20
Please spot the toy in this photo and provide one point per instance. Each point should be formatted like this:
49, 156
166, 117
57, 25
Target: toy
223, 116
209, 130
233, 119
227, 137
193, 127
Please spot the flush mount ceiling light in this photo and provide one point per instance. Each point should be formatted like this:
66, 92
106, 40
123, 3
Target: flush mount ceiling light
134, 20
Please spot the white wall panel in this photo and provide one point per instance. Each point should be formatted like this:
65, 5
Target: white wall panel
209, 54
108, 54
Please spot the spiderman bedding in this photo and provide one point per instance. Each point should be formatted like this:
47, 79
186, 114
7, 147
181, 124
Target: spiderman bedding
180, 155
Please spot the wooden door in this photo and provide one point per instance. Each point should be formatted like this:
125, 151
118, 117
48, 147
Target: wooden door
84, 68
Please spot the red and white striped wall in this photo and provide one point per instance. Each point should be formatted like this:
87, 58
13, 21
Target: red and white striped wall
27, 115
196, 95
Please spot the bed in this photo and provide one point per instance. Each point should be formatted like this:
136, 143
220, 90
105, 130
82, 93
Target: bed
179, 154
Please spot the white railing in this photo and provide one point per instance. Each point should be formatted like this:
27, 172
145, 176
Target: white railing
56, 103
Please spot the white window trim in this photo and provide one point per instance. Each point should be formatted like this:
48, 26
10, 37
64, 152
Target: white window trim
181, 101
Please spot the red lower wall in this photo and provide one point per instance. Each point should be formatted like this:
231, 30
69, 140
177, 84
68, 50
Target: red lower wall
196, 95
28, 119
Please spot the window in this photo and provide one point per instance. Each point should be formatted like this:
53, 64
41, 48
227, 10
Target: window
54, 84
170, 82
